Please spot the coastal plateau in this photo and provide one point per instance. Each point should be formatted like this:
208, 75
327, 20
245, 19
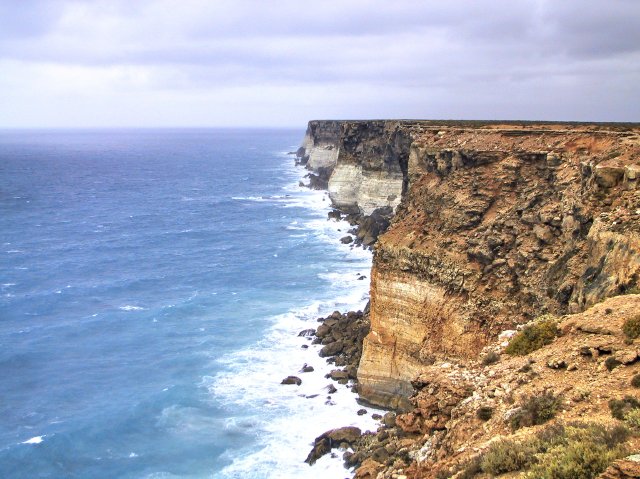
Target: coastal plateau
479, 230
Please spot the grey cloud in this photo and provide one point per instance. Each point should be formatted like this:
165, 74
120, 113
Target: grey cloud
402, 56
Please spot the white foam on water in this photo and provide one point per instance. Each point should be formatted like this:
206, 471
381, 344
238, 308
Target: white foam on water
285, 419
34, 440
130, 307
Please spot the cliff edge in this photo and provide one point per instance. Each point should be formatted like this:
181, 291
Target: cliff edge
495, 225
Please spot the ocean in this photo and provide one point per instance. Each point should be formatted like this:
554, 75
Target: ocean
152, 287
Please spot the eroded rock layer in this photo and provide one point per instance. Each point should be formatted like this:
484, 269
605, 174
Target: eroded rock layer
499, 224
495, 224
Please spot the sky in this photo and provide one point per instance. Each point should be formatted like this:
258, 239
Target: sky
280, 63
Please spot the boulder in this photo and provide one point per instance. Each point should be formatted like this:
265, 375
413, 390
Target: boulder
330, 439
627, 468
331, 349
292, 380
338, 374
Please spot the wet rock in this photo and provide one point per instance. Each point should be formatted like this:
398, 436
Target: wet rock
331, 349
338, 374
346, 239
323, 330
335, 215
306, 369
330, 439
307, 332
292, 380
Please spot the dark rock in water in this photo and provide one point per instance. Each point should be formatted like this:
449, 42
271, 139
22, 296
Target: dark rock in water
361, 412
305, 346
334, 215
346, 239
360, 278
376, 416
338, 374
330, 439
331, 389
292, 380
352, 371
306, 369
331, 349
307, 332
327, 340
323, 330
316, 182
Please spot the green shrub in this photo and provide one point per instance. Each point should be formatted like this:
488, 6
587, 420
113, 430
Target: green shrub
533, 336
575, 451
471, 468
491, 358
611, 363
632, 418
587, 451
631, 327
635, 381
484, 413
620, 407
507, 456
536, 410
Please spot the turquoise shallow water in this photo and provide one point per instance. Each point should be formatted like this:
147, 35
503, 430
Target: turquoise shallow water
152, 283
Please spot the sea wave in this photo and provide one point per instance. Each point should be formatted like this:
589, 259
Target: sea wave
286, 418
130, 307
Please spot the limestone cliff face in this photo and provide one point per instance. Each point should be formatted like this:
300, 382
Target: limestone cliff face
369, 171
495, 224
364, 162
320, 145
499, 224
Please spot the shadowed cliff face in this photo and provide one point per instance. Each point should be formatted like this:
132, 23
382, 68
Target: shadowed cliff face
498, 224
364, 162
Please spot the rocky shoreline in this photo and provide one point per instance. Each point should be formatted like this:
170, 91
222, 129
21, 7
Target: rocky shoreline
341, 335
488, 236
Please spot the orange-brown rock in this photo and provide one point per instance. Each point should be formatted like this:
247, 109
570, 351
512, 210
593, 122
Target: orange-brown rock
628, 468
585, 389
499, 224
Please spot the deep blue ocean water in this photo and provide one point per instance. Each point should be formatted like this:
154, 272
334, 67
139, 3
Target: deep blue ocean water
152, 284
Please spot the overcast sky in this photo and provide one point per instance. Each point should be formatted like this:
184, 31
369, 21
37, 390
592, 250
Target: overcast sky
283, 62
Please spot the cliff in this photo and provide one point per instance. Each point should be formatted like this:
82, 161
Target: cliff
496, 224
